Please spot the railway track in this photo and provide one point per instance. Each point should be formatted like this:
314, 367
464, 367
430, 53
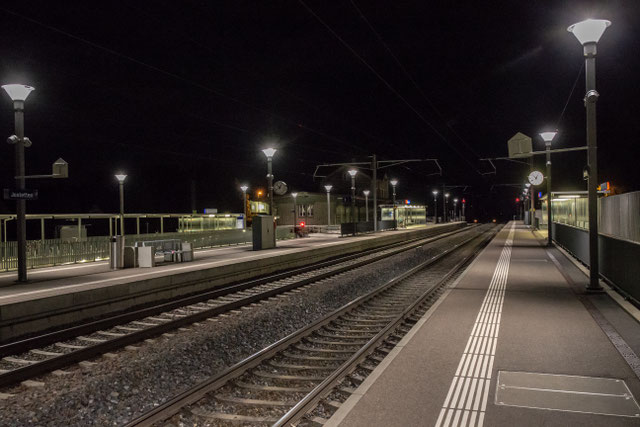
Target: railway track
53, 351
303, 378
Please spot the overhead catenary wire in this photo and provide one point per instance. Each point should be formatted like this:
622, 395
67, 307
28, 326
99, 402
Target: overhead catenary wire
181, 78
575, 83
411, 79
387, 84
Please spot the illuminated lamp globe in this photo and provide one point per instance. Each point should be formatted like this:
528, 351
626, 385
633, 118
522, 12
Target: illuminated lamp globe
244, 188
18, 92
548, 136
353, 173
394, 182
435, 192
121, 177
366, 192
589, 31
269, 152
294, 195
328, 187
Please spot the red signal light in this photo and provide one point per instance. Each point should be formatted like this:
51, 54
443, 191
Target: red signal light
302, 224
517, 199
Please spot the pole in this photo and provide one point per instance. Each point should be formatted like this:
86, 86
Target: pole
353, 202
21, 206
591, 98
444, 204
395, 221
374, 188
366, 204
328, 207
122, 208
245, 209
295, 214
549, 237
435, 207
270, 183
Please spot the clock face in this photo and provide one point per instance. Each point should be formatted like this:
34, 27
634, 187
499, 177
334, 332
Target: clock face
280, 188
535, 178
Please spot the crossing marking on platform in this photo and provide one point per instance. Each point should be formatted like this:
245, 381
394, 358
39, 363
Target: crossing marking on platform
466, 400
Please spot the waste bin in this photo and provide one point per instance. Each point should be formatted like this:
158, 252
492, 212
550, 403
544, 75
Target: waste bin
117, 252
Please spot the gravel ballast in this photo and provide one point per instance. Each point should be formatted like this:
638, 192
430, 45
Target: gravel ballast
117, 389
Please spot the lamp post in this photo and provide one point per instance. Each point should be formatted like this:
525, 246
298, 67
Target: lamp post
455, 209
244, 189
18, 94
547, 138
435, 206
353, 173
393, 183
269, 152
588, 34
366, 203
446, 205
121, 177
295, 211
328, 188
464, 217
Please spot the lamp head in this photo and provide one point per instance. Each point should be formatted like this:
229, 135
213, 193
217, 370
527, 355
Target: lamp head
328, 187
394, 182
294, 195
366, 192
121, 177
18, 92
435, 192
527, 185
455, 200
353, 172
548, 136
590, 30
244, 188
269, 152
446, 195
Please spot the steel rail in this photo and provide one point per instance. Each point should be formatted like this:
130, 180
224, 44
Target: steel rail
310, 401
57, 362
172, 406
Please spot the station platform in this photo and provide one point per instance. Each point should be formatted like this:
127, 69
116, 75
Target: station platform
514, 341
65, 295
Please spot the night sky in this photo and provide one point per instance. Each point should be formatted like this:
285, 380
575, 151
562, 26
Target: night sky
171, 92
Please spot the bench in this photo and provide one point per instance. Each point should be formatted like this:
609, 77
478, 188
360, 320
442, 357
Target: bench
173, 250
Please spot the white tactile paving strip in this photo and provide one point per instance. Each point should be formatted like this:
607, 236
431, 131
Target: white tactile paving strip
466, 400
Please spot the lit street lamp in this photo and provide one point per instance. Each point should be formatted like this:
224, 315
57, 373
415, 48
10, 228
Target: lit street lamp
588, 34
393, 183
548, 137
435, 206
366, 203
18, 94
328, 188
121, 177
244, 189
295, 211
353, 173
269, 152
455, 209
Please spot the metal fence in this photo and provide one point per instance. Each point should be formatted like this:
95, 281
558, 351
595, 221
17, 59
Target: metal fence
50, 252
618, 258
618, 216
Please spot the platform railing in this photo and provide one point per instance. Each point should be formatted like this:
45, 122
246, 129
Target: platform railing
51, 252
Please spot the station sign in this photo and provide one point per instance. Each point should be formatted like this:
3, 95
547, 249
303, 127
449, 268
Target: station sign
11, 194
605, 187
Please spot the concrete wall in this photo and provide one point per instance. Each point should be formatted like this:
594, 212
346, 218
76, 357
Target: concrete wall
88, 303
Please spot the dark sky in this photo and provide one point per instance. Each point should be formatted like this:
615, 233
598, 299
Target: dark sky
174, 91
